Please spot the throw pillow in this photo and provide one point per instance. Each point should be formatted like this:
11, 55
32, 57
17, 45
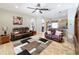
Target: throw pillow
49, 32
17, 32
58, 33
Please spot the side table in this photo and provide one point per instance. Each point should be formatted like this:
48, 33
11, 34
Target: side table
4, 39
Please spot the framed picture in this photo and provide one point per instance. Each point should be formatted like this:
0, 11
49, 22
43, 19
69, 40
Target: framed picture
17, 20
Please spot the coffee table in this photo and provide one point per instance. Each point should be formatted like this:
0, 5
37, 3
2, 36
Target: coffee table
30, 46
37, 46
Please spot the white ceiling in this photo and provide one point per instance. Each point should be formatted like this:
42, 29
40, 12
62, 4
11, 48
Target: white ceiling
53, 13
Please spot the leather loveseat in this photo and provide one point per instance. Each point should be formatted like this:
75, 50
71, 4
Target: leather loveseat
53, 36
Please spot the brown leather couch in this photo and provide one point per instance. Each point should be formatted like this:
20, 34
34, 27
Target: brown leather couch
19, 33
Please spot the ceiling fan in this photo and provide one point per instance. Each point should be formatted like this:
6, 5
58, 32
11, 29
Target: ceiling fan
38, 7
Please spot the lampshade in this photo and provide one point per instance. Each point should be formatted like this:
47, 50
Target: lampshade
5, 28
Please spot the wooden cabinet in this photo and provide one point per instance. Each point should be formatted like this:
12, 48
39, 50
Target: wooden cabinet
4, 39
34, 32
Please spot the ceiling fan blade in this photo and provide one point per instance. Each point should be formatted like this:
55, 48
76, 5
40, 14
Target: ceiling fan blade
40, 11
30, 8
33, 11
44, 9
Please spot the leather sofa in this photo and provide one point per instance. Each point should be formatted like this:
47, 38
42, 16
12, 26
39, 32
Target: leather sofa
19, 33
53, 36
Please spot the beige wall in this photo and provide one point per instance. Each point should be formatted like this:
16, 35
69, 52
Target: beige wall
6, 19
62, 23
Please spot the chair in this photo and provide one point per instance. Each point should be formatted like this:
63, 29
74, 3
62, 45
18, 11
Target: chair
53, 36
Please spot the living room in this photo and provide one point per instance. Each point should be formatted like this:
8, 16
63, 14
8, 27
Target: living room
39, 21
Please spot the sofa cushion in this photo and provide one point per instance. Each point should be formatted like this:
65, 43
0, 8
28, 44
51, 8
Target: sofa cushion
16, 32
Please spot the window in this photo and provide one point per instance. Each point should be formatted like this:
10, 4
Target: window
55, 25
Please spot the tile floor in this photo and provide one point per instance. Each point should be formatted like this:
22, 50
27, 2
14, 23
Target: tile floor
54, 48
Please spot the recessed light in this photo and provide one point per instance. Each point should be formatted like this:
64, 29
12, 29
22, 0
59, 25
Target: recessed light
58, 5
16, 6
